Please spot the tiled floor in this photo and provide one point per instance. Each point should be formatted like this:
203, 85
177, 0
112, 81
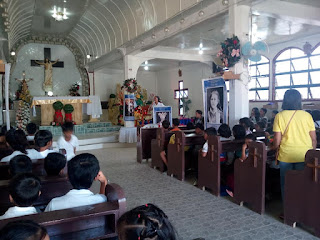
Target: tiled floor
193, 212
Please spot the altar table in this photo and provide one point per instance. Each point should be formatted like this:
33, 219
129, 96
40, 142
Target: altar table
47, 111
128, 135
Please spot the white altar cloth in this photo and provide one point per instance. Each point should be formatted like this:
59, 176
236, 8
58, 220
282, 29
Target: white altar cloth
128, 135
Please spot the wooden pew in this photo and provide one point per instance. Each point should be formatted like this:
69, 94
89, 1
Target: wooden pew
249, 178
145, 136
302, 194
96, 221
51, 187
209, 174
157, 145
176, 154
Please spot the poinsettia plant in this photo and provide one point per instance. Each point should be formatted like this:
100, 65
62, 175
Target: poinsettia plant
230, 51
130, 85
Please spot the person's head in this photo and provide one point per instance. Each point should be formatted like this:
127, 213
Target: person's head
82, 170
263, 112
165, 124
214, 99
224, 131
199, 128
24, 189
190, 126
20, 164
315, 115
3, 130
46, 60
175, 122
17, 140
209, 132
239, 132
23, 230
54, 164
255, 112
260, 126
292, 100
67, 129
145, 222
249, 138
31, 128
246, 122
43, 139
156, 99
274, 113
198, 114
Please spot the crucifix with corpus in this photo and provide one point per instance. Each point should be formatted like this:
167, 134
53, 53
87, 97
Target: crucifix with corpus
48, 65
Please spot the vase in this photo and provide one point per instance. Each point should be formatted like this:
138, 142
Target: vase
58, 118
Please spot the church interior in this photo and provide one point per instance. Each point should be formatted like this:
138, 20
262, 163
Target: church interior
160, 119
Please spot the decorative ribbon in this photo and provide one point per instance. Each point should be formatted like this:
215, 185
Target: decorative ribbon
235, 52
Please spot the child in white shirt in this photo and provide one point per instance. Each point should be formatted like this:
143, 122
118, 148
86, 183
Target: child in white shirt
24, 190
83, 169
43, 140
31, 131
208, 132
68, 141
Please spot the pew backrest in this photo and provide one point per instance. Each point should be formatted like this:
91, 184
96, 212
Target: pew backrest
145, 137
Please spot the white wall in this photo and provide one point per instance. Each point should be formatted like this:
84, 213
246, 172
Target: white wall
192, 75
63, 78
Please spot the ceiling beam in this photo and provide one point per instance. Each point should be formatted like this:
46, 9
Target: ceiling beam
294, 12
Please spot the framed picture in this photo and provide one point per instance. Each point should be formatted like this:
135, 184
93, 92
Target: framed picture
215, 102
162, 113
128, 107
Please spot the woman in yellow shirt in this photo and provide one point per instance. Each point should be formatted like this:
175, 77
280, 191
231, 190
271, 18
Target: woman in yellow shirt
294, 133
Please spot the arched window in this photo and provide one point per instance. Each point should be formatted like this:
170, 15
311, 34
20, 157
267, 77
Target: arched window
260, 79
294, 69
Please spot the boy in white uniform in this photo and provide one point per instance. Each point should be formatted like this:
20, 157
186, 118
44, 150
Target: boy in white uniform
24, 190
43, 140
83, 169
68, 141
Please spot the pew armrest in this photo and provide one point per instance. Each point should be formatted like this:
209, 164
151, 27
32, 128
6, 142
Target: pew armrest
115, 193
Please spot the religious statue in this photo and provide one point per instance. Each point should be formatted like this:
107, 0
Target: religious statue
47, 85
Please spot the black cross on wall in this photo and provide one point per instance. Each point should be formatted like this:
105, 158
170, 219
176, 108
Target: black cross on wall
47, 55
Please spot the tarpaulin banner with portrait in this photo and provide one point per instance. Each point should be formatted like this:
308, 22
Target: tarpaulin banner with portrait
128, 107
162, 113
215, 102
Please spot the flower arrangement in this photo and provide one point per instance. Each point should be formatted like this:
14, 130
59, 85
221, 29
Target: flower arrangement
230, 51
23, 116
130, 85
68, 109
73, 91
58, 118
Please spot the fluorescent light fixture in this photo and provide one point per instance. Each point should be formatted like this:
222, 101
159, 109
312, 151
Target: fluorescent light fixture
146, 68
50, 93
13, 53
200, 51
201, 45
88, 56
146, 62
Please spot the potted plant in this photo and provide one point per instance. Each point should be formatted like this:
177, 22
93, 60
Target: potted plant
68, 109
58, 118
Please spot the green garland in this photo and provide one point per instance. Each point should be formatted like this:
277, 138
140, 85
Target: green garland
57, 105
68, 108
230, 51
130, 85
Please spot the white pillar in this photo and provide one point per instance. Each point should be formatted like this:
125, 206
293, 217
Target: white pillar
239, 25
6, 80
131, 66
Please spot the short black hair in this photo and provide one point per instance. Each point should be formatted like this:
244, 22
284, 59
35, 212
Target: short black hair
261, 124
292, 100
31, 128
275, 112
199, 112
190, 126
264, 110
315, 115
42, 138
175, 122
54, 163
251, 136
239, 132
165, 124
246, 122
224, 130
200, 126
82, 169
211, 131
24, 189
17, 140
67, 127
22, 230
20, 164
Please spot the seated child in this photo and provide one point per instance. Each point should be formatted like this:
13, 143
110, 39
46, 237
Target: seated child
24, 190
247, 124
43, 140
31, 131
68, 141
16, 139
83, 169
23, 230
175, 124
198, 118
238, 132
260, 126
199, 129
166, 124
20, 164
208, 132
145, 222
54, 164
224, 132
